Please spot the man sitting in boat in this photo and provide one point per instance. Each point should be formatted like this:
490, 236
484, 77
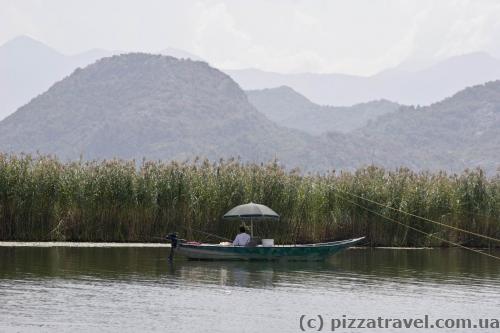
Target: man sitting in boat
242, 239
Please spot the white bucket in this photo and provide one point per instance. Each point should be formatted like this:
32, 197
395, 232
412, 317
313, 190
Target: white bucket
267, 242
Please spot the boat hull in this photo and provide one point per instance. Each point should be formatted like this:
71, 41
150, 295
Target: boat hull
308, 252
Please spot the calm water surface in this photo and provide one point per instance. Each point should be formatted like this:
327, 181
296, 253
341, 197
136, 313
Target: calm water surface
135, 289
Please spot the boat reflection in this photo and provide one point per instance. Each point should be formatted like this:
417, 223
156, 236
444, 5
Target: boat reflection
247, 274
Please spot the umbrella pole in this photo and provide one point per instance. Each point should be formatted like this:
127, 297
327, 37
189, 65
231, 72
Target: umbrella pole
251, 227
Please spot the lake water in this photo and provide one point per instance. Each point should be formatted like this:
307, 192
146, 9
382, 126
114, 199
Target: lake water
136, 289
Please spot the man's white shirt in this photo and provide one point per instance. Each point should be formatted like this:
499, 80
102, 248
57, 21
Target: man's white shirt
241, 239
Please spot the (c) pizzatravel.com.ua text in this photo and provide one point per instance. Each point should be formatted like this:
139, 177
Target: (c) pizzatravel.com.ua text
322, 323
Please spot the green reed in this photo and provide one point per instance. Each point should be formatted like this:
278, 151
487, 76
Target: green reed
43, 199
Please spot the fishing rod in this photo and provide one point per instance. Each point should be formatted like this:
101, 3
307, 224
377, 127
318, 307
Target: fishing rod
209, 234
198, 231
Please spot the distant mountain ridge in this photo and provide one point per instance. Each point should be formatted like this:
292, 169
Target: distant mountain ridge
29, 67
288, 108
421, 87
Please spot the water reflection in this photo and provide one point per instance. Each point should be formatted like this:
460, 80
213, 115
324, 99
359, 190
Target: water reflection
366, 266
133, 289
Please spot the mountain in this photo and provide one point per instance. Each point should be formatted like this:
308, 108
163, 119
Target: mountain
421, 87
288, 108
460, 132
158, 107
29, 67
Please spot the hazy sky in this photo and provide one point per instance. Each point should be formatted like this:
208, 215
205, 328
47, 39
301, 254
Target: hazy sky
356, 37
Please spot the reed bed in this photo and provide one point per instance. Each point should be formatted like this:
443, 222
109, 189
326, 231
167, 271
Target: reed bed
43, 199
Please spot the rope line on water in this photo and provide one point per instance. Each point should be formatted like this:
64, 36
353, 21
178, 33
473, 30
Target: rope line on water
421, 217
420, 231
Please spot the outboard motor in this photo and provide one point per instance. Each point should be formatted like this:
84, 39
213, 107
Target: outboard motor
173, 241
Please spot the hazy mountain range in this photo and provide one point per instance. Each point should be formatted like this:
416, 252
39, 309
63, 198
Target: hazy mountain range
287, 107
421, 87
158, 107
140, 105
28, 68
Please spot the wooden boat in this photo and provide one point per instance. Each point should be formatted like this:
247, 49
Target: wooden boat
302, 252
266, 251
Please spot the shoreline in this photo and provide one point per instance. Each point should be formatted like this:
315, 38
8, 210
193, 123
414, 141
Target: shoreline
167, 245
160, 245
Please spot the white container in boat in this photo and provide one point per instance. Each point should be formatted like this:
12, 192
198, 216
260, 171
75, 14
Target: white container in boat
267, 242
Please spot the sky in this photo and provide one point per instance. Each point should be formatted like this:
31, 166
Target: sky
359, 37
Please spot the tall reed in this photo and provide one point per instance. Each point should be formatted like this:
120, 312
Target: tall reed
43, 199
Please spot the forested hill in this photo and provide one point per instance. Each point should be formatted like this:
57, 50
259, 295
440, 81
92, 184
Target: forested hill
159, 107
462, 131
